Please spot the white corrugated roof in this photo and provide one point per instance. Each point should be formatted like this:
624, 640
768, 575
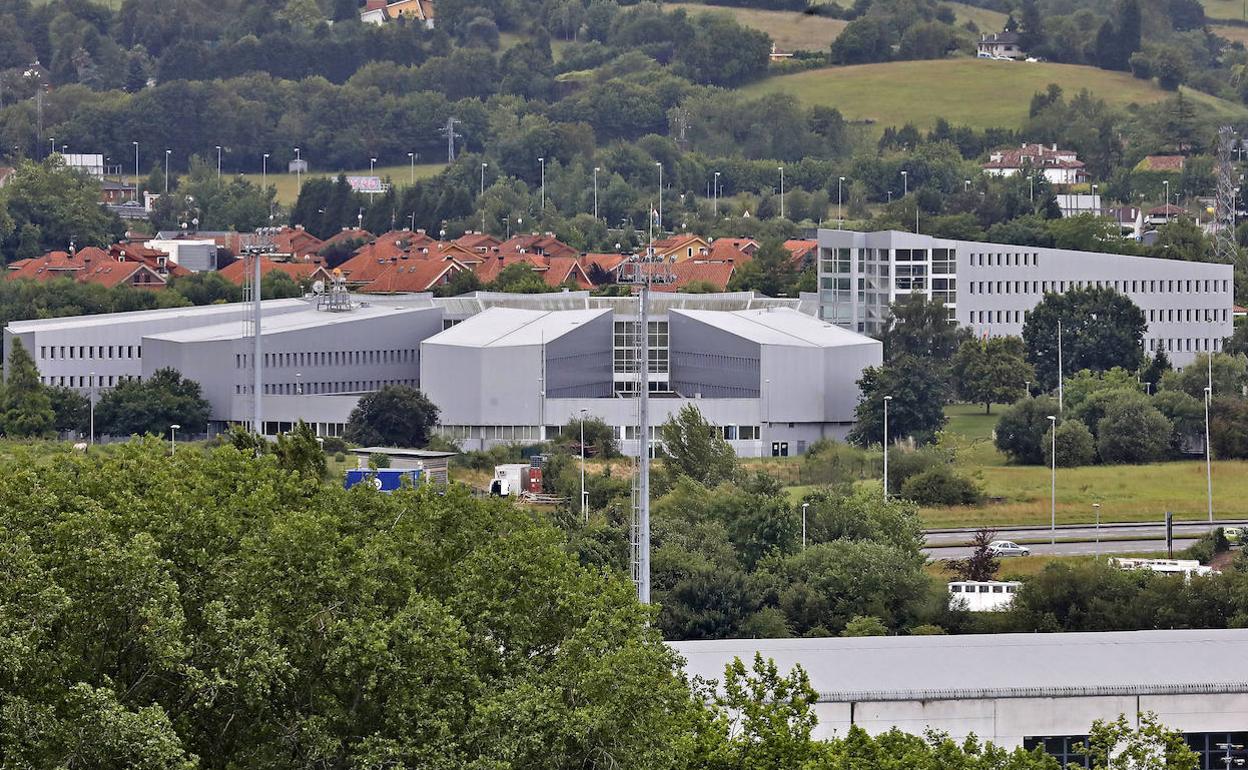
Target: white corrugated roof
205, 312
995, 665
304, 319
506, 327
779, 326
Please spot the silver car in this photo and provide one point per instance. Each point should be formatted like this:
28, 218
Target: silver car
1007, 548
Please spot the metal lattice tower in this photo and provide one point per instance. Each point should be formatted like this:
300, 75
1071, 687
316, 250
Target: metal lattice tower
449, 132
1224, 248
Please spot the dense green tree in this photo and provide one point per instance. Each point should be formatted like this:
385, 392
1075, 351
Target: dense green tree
1021, 429
864, 625
59, 205
1101, 329
1158, 365
206, 288
916, 408
1074, 443
1229, 375
940, 485
1120, 744
27, 408
299, 450
1181, 238
770, 272
599, 437
695, 449
863, 40
991, 371
921, 328
72, 410
1228, 427
395, 416
1187, 418
1132, 432
151, 405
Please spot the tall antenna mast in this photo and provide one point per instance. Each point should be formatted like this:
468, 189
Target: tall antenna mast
449, 132
1224, 223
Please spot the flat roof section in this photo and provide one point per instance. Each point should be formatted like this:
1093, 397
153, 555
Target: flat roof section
204, 312
304, 319
499, 327
779, 326
976, 666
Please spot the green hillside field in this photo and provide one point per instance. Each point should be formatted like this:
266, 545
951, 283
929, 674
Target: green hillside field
287, 185
1225, 9
972, 92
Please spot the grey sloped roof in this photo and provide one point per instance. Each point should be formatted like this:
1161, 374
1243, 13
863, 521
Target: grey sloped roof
779, 326
995, 665
508, 327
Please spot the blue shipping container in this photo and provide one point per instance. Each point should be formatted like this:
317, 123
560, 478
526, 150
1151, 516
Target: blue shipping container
382, 479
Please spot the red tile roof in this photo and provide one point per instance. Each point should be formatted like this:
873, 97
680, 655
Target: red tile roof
411, 275
1038, 155
1164, 163
677, 276
89, 265
299, 271
553, 270
478, 242
544, 244
804, 252
348, 233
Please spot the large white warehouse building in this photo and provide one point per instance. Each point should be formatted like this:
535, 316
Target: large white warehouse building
1029, 690
502, 368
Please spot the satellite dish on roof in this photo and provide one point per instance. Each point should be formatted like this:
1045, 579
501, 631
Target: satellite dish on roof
318, 287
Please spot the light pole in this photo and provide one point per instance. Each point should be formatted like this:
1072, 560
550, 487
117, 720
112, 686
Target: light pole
905, 183
781, 191
839, 219
218, 164
1166, 182
136, 171
298, 170
173, 438
804, 507
484, 166
543, 162
372, 164
886, 400
1060, 373
966, 185
1208, 457
1097, 507
596, 169
715, 193
92, 438
1027, 387
167, 154
1053, 480
584, 498
660, 165
264, 171
51, 146
411, 157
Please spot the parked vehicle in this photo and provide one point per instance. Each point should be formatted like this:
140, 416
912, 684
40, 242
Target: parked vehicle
1235, 535
1007, 548
516, 479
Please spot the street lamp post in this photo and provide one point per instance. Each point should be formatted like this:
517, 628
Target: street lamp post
484, 166
886, 400
167, 154
781, 191
1166, 208
839, 219
218, 164
660, 165
596, 170
136, 171
1053, 480
411, 157
298, 170
1060, 370
804, 507
543, 162
584, 497
372, 164
1208, 457
1027, 387
92, 426
173, 438
1097, 507
715, 192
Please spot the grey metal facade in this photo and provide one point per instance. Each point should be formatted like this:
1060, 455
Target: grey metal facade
991, 287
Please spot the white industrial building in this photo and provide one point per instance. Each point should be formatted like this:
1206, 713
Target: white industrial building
502, 368
992, 287
1029, 690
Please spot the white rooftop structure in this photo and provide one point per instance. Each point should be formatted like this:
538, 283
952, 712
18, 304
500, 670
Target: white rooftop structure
778, 326
304, 317
499, 327
1012, 689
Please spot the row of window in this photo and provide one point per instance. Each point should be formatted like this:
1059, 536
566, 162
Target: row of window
1189, 315
1185, 344
1006, 259
331, 358
54, 352
955, 588
85, 381
1176, 286
999, 316
1213, 749
323, 388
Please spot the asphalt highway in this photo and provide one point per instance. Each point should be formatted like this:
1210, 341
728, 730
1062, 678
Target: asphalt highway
1088, 548
1144, 536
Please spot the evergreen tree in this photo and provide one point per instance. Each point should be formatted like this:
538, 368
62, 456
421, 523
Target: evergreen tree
27, 406
1032, 26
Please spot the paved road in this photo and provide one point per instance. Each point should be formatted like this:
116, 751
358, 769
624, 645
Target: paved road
939, 539
1071, 549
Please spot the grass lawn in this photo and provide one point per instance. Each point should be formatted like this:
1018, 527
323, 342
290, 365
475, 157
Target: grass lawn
986, 20
790, 30
288, 184
970, 92
1225, 9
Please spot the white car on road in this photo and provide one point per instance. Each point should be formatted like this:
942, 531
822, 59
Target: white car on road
1007, 548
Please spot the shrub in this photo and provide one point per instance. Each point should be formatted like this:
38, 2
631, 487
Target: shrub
1022, 426
1075, 445
904, 463
1132, 432
865, 625
1208, 546
340, 457
941, 486
378, 460
333, 444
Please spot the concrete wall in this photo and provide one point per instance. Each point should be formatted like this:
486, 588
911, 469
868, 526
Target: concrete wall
709, 361
1007, 721
578, 364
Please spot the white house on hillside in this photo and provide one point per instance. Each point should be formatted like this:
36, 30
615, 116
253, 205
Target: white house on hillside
1058, 166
